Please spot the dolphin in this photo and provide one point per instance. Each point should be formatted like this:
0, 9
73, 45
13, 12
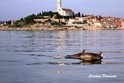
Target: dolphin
75, 56
86, 56
91, 56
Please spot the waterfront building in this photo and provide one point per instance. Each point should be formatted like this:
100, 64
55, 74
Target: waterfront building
122, 24
97, 24
63, 11
77, 20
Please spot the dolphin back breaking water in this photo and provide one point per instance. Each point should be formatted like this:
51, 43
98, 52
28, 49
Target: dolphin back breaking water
86, 56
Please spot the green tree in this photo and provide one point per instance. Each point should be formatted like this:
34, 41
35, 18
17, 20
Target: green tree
49, 13
8, 23
57, 16
55, 23
39, 14
82, 15
30, 19
79, 14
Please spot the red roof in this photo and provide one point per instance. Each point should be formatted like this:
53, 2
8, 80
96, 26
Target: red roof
65, 9
76, 18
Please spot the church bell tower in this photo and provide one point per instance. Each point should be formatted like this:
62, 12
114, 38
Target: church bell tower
59, 5
63, 11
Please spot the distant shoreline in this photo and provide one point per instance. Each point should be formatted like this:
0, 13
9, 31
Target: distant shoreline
45, 28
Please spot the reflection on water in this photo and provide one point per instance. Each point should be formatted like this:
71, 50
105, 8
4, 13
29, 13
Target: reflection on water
35, 56
67, 63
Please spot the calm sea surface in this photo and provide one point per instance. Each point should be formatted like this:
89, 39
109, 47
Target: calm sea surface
38, 56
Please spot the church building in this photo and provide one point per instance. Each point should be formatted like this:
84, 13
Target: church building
63, 11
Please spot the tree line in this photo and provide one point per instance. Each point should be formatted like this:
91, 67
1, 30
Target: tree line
30, 19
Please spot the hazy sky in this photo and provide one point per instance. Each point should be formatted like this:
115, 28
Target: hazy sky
15, 9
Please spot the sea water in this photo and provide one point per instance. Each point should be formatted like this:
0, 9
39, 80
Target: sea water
38, 56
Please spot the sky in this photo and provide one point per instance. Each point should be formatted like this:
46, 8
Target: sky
16, 9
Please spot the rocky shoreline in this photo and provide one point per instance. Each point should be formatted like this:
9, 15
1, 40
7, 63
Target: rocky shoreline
40, 28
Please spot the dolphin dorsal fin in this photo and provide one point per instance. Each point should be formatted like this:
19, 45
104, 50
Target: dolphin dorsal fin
83, 51
99, 53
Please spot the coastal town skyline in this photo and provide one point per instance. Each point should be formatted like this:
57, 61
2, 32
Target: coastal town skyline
13, 10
